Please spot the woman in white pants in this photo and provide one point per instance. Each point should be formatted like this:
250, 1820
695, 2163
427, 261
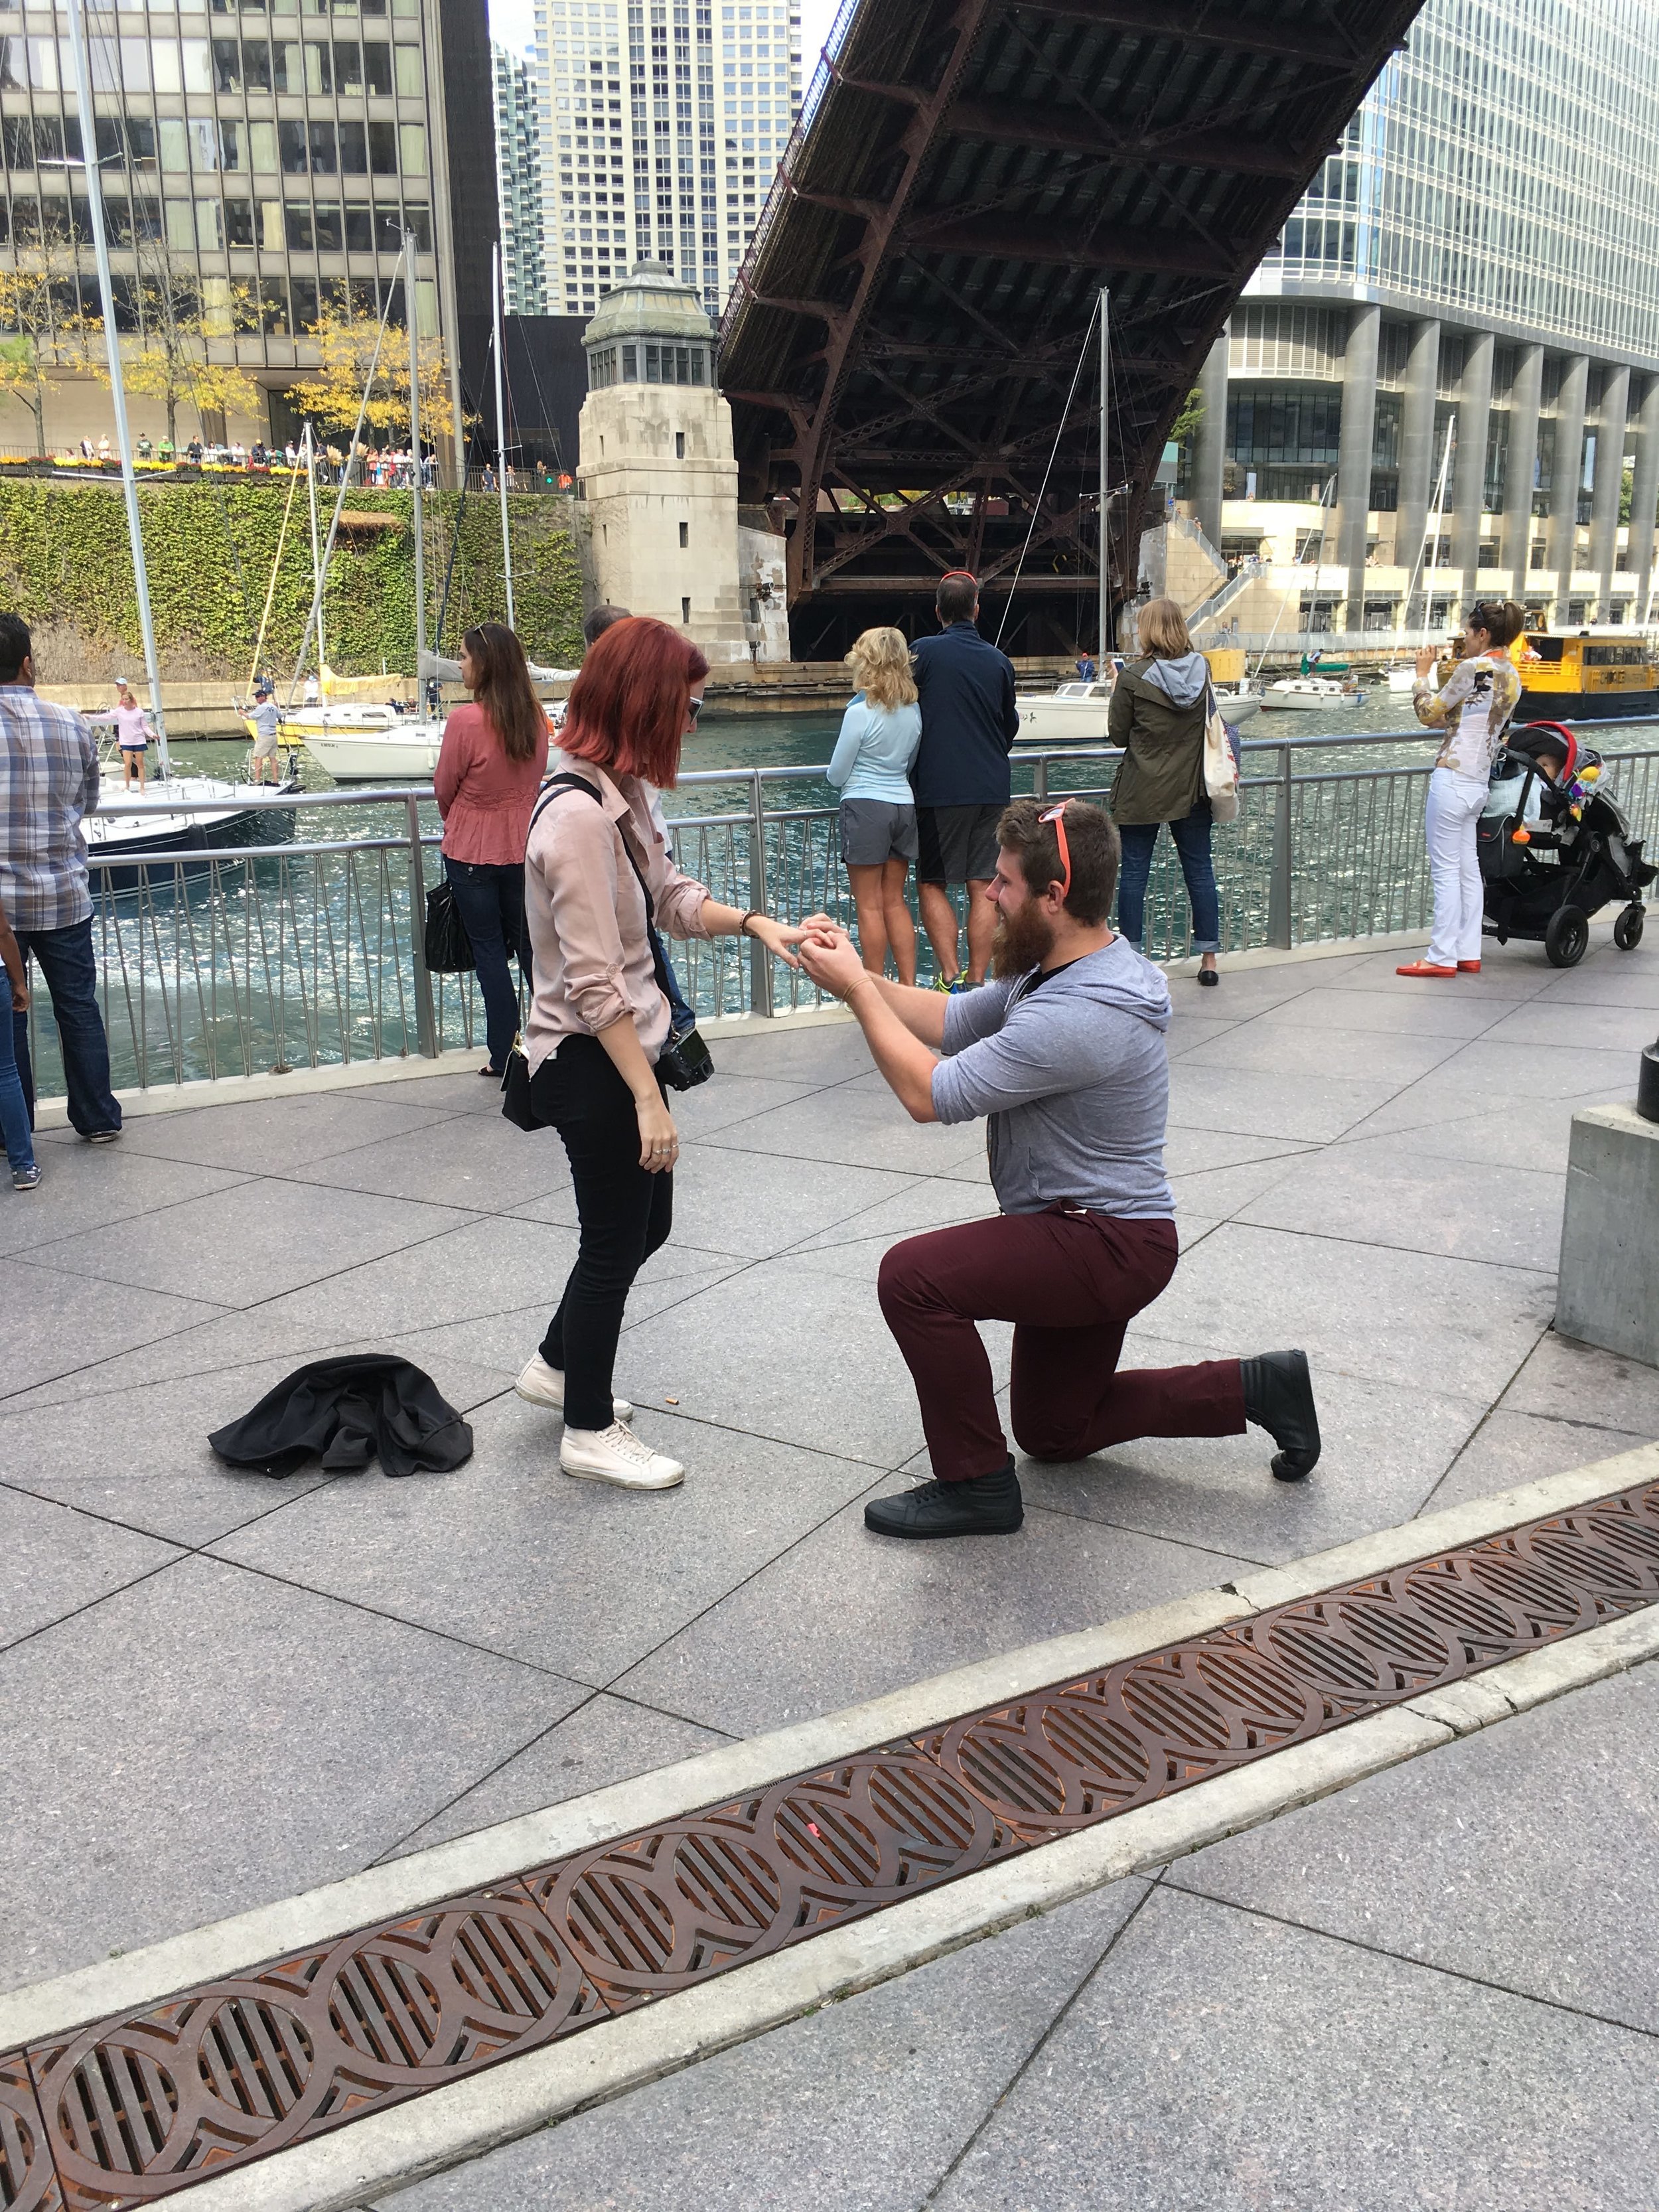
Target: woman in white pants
1472, 708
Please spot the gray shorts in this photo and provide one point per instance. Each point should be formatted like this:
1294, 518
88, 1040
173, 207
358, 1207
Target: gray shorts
875, 830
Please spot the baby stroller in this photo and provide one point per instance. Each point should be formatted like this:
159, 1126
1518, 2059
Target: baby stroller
1554, 848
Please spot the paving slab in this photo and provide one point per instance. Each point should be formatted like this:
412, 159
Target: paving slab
515, 1556
465, 1092
863, 2105
1511, 971
1385, 1445
54, 1562
1194, 1151
1309, 1109
856, 1128
845, 1614
823, 1053
1505, 1083
1387, 1190
56, 1324
92, 1186
1521, 1855
1217, 2059
485, 1164
720, 1104
607, 1740
1457, 1326
208, 1740
270, 1135
1453, 1014
1608, 978
1563, 1023
1285, 1049
245, 1245
1569, 1380
1508, 1449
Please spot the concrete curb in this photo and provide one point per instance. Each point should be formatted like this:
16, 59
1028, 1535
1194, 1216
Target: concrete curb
494, 1854
390, 2150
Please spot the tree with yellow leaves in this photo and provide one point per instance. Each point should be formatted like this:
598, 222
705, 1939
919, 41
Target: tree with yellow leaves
41, 326
346, 345
169, 357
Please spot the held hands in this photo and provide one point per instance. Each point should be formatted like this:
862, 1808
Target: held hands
777, 937
830, 957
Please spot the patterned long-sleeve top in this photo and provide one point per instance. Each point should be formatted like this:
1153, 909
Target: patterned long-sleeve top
1473, 707
48, 783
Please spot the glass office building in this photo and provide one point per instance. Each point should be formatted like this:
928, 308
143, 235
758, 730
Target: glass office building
663, 122
518, 184
1468, 291
272, 152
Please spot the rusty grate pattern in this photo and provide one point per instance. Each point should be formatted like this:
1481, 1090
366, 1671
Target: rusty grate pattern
132, 2109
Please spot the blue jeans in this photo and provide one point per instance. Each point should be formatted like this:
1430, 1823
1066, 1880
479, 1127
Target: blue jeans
64, 957
491, 900
13, 1114
681, 1017
1192, 843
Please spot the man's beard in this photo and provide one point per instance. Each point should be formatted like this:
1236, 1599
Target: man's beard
1024, 940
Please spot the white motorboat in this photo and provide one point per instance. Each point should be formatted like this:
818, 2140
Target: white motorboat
1236, 701
1075, 714
1400, 679
1310, 694
406, 752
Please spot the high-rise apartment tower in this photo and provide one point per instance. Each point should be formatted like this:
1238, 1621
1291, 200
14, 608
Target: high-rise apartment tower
663, 122
518, 184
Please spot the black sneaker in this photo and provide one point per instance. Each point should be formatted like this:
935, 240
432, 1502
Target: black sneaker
989, 1505
1279, 1397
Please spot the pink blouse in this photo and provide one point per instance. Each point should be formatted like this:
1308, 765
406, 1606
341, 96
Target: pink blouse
485, 799
590, 951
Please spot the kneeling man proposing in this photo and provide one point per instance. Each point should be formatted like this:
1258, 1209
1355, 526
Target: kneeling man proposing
1065, 1054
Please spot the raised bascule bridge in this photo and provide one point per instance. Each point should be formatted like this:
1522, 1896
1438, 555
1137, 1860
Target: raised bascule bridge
911, 343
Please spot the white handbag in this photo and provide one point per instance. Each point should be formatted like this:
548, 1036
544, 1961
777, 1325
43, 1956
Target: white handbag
1220, 769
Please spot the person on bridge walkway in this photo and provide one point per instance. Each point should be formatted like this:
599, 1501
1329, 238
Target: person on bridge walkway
48, 785
1064, 1053
1160, 707
1473, 708
961, 778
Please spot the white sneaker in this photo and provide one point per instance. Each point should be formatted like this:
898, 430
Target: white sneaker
544, 1386
616, 1455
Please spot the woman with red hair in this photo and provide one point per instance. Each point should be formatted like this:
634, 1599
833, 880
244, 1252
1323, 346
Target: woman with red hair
597, 873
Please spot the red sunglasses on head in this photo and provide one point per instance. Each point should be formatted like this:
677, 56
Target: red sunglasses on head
1057, 816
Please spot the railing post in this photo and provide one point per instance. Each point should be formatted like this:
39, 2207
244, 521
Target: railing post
1279, 890
426, 1018
1039, 776
760, 960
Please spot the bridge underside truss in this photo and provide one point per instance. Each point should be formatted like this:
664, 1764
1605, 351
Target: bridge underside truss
916, 304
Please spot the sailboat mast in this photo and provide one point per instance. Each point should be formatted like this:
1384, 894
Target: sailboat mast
501, 428
415, 449
316, 559
1105, 484
81, 69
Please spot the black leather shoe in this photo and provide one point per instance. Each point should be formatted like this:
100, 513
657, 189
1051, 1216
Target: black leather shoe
1279, 1397
989, 1505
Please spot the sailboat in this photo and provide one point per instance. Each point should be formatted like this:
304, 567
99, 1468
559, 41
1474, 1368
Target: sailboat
1311, 693
1402, 675
148, 831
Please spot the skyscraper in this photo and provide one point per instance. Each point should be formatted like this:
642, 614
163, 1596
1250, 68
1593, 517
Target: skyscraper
663, 122
278, 155
518, 184
1468, 283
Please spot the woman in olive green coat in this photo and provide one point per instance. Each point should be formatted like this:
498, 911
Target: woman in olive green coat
1160, 707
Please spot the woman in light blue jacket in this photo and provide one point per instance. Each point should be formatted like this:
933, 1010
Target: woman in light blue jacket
871, 768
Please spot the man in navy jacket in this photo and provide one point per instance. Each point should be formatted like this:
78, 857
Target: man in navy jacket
961, 779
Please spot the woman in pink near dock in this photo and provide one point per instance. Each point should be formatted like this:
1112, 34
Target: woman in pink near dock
491, 765
132, 733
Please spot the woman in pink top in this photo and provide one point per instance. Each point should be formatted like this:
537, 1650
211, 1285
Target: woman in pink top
599, 1020
132, 730
493, 758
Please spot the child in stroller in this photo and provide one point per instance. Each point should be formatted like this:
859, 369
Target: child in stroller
1554, 848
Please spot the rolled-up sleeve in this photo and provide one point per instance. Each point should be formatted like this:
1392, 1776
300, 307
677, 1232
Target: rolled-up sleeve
679, 899
576, 853
1023, 1062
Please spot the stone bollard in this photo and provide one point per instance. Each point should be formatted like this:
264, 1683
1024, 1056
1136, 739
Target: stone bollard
1608, 1293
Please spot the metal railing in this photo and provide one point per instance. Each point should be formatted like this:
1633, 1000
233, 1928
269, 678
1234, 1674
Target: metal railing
236, 960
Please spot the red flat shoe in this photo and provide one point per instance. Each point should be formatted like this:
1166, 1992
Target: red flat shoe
1469, 967
1423, 968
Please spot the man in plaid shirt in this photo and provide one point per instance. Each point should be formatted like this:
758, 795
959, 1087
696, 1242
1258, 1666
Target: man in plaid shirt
48, 783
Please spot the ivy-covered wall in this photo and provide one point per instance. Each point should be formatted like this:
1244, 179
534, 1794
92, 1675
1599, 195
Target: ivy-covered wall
65, 564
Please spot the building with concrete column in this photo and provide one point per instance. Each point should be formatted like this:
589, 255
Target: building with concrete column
1469, 282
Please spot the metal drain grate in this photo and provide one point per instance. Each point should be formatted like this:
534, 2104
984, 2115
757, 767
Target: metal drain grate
132, 2109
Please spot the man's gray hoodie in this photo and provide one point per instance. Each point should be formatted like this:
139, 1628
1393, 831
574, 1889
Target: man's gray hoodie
1074, 1071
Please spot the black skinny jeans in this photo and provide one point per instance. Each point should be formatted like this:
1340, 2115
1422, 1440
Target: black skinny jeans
625, 1214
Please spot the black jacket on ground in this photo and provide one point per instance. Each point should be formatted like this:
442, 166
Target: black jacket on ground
968, 720
344, 1411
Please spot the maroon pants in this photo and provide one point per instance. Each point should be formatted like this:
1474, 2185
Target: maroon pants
1071, 1283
